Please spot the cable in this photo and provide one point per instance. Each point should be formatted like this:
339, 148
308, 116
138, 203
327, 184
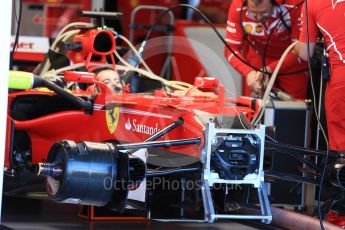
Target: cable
63, 35
208, 22
143, 44
63, 38
78, 25
138, 70
15, 44
66, 68
271, 138
173, 84
172, 171
296, 155
245, 37
239, 114
318, 121
182, 87
137, 54
256, 120
270, 35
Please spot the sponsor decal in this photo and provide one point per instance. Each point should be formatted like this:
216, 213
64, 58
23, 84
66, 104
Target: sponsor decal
248, 28
135, 126
31, 44
259, 28
254, 28
112, 113
24, 45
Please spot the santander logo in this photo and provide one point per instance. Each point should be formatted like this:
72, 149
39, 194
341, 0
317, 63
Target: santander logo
133, 125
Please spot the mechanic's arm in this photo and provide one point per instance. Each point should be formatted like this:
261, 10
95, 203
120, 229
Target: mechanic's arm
234, 38
301, 49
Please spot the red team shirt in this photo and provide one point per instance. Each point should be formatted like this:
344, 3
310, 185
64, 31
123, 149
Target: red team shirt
258, 34
328, 17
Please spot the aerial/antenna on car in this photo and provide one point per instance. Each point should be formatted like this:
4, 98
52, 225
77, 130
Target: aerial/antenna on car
99, 16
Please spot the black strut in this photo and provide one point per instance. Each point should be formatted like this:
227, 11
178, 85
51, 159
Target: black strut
160, 133
167, 143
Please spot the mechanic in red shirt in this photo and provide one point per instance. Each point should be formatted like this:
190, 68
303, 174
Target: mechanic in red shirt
328, 17
264, 28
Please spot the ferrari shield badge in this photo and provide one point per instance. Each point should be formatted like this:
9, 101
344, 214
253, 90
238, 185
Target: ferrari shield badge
112, 117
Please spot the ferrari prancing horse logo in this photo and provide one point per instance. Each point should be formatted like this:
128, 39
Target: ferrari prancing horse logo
112, 117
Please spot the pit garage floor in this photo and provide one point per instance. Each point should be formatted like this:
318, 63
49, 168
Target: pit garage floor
26, 214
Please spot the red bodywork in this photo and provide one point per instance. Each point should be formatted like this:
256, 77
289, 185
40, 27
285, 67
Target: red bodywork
135, 118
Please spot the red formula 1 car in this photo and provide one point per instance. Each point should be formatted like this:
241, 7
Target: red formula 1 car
172, 128
175, 153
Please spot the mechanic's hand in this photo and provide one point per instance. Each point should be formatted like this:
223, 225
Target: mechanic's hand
267, 69
266, 77
254, 80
